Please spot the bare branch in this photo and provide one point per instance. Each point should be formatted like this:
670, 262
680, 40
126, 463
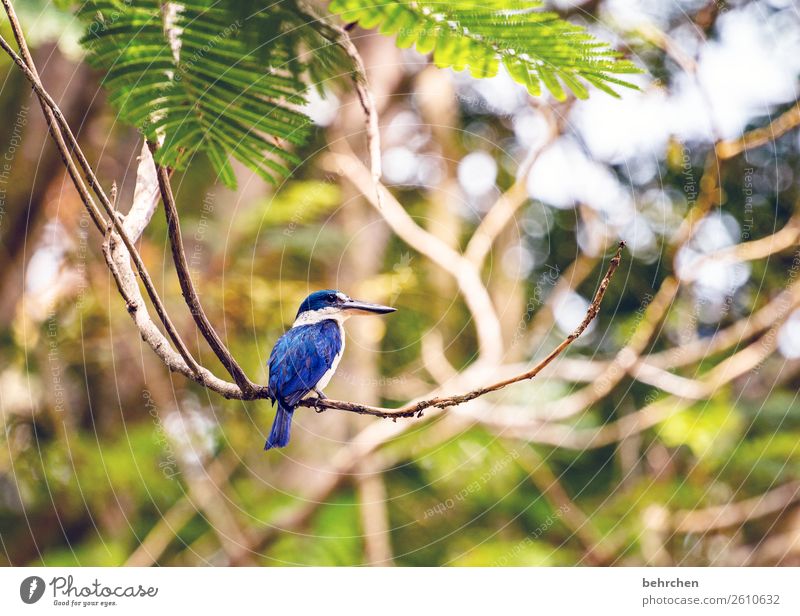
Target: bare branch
370, 109
735, 514
573, 276
737, 333
504, 209
416, 408
463, 271
187, 286
760, 136
761, 248
162, 534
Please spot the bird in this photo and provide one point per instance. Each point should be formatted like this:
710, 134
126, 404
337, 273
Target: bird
305, 358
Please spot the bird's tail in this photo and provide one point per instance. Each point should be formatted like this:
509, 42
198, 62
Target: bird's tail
281, 428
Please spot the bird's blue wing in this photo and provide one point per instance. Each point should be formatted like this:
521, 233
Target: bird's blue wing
300, 358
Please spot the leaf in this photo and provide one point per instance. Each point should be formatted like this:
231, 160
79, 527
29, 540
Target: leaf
235, 89
536, 47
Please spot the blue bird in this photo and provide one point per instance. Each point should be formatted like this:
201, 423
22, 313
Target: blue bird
305, 358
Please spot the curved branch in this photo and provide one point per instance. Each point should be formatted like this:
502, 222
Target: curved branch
760, 136
773, 502
187, 286
467, 277
505, 208
742, 330
753, 250
413, 409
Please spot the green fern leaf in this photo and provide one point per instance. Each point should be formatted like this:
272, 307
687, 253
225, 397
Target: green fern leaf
236, 88
536, 47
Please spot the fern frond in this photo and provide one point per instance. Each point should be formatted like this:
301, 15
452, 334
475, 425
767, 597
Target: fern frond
235, 89
536, 47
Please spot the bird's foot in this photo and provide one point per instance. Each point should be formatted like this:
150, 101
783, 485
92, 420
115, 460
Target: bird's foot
320, 397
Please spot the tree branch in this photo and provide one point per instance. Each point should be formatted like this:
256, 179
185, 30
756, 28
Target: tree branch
467, 276
416, 408
773, 502
760, 136
761, 248
187, 286
507, 205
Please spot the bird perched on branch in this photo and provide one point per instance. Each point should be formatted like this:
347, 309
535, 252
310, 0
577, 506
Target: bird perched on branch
305, 358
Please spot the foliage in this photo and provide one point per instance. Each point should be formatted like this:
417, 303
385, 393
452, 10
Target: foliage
536, 47
233, 88
229, 78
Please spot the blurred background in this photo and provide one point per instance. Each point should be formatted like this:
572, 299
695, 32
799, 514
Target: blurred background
668, 433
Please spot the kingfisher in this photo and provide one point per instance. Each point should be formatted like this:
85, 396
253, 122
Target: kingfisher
305, 357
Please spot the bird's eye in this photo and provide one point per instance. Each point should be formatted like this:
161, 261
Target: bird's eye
331, 297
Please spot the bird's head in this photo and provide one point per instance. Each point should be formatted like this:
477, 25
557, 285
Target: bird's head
332, 304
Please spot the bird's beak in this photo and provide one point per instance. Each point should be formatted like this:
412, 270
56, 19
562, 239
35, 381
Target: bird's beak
366, 308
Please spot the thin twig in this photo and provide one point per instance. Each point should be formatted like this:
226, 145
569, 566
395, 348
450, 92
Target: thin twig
187, 286
370, 109
413, 409
624, 361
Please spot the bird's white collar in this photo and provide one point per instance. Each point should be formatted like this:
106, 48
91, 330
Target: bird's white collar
309, 317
